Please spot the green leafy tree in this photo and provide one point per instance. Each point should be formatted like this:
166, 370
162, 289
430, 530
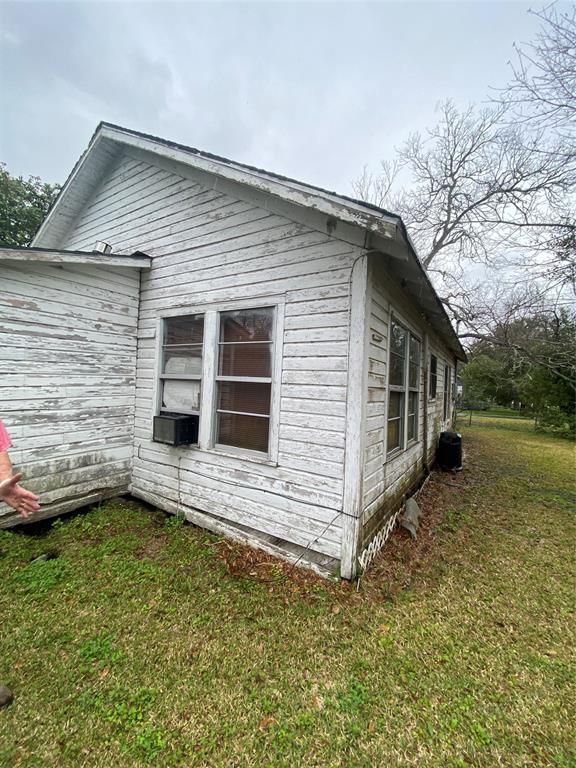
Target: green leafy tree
488, 379
530, 359
24, 204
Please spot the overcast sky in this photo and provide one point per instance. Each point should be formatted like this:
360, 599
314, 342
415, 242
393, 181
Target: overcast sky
313, 91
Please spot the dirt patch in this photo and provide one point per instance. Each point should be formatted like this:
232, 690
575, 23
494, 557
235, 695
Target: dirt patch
152, 548
401, 560
243, 561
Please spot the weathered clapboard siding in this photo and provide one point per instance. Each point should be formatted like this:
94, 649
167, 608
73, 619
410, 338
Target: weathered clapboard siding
387, 479
67, 361
210, 248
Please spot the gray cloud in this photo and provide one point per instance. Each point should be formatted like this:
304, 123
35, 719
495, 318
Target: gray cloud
314, 91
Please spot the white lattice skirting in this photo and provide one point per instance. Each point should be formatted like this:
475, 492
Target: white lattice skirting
380, 538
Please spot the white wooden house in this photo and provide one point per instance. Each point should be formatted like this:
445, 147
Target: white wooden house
295, 325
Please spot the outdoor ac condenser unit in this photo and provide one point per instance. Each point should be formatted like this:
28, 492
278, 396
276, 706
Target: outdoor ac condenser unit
176, 429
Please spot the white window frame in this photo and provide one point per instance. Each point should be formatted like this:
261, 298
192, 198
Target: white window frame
392, 453
433, 397
413, 390
248, 379
447, 386
162, 377
207, 422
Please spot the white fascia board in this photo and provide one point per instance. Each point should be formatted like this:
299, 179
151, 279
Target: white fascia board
61, 196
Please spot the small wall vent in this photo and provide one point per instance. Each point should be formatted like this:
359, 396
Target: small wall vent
102, 247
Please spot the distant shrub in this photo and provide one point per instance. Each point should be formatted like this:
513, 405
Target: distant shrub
554, 420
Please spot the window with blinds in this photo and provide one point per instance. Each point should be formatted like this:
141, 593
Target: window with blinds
244, 378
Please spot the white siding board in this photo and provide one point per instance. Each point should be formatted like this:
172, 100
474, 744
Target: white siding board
172, 217
334, 365
102, 290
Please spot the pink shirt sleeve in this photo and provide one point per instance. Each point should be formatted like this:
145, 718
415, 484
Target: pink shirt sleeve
5, 441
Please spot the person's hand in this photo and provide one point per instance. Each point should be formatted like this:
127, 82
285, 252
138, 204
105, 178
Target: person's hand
23, 501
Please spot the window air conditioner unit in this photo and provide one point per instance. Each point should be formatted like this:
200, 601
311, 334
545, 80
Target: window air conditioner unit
176, 429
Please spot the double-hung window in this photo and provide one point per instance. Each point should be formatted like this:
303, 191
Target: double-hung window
446, 392
403, 387
413, 387
244, 379
397, 386
181, 364
433, 382
224, 361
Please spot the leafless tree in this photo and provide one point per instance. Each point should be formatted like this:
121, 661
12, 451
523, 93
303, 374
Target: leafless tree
479, 189
542, 91
380, 188
491, 198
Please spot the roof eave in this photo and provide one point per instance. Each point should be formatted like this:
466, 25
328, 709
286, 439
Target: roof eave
58, 256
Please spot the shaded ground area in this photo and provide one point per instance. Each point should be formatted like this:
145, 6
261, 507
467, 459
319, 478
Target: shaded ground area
150, 642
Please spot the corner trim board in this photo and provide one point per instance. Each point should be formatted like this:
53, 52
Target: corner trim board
355, 417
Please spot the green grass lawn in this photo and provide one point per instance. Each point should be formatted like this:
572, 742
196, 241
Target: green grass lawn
148, 642
502, 417
502, 413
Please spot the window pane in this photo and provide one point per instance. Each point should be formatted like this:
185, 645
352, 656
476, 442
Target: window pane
393, 434
244, 396
181, 395
395, 404
183, 360
246, 360
396, 370
433, 375
412, 425
247, 325
414, 364
414, 350
250, 432
188, 329
398, 340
